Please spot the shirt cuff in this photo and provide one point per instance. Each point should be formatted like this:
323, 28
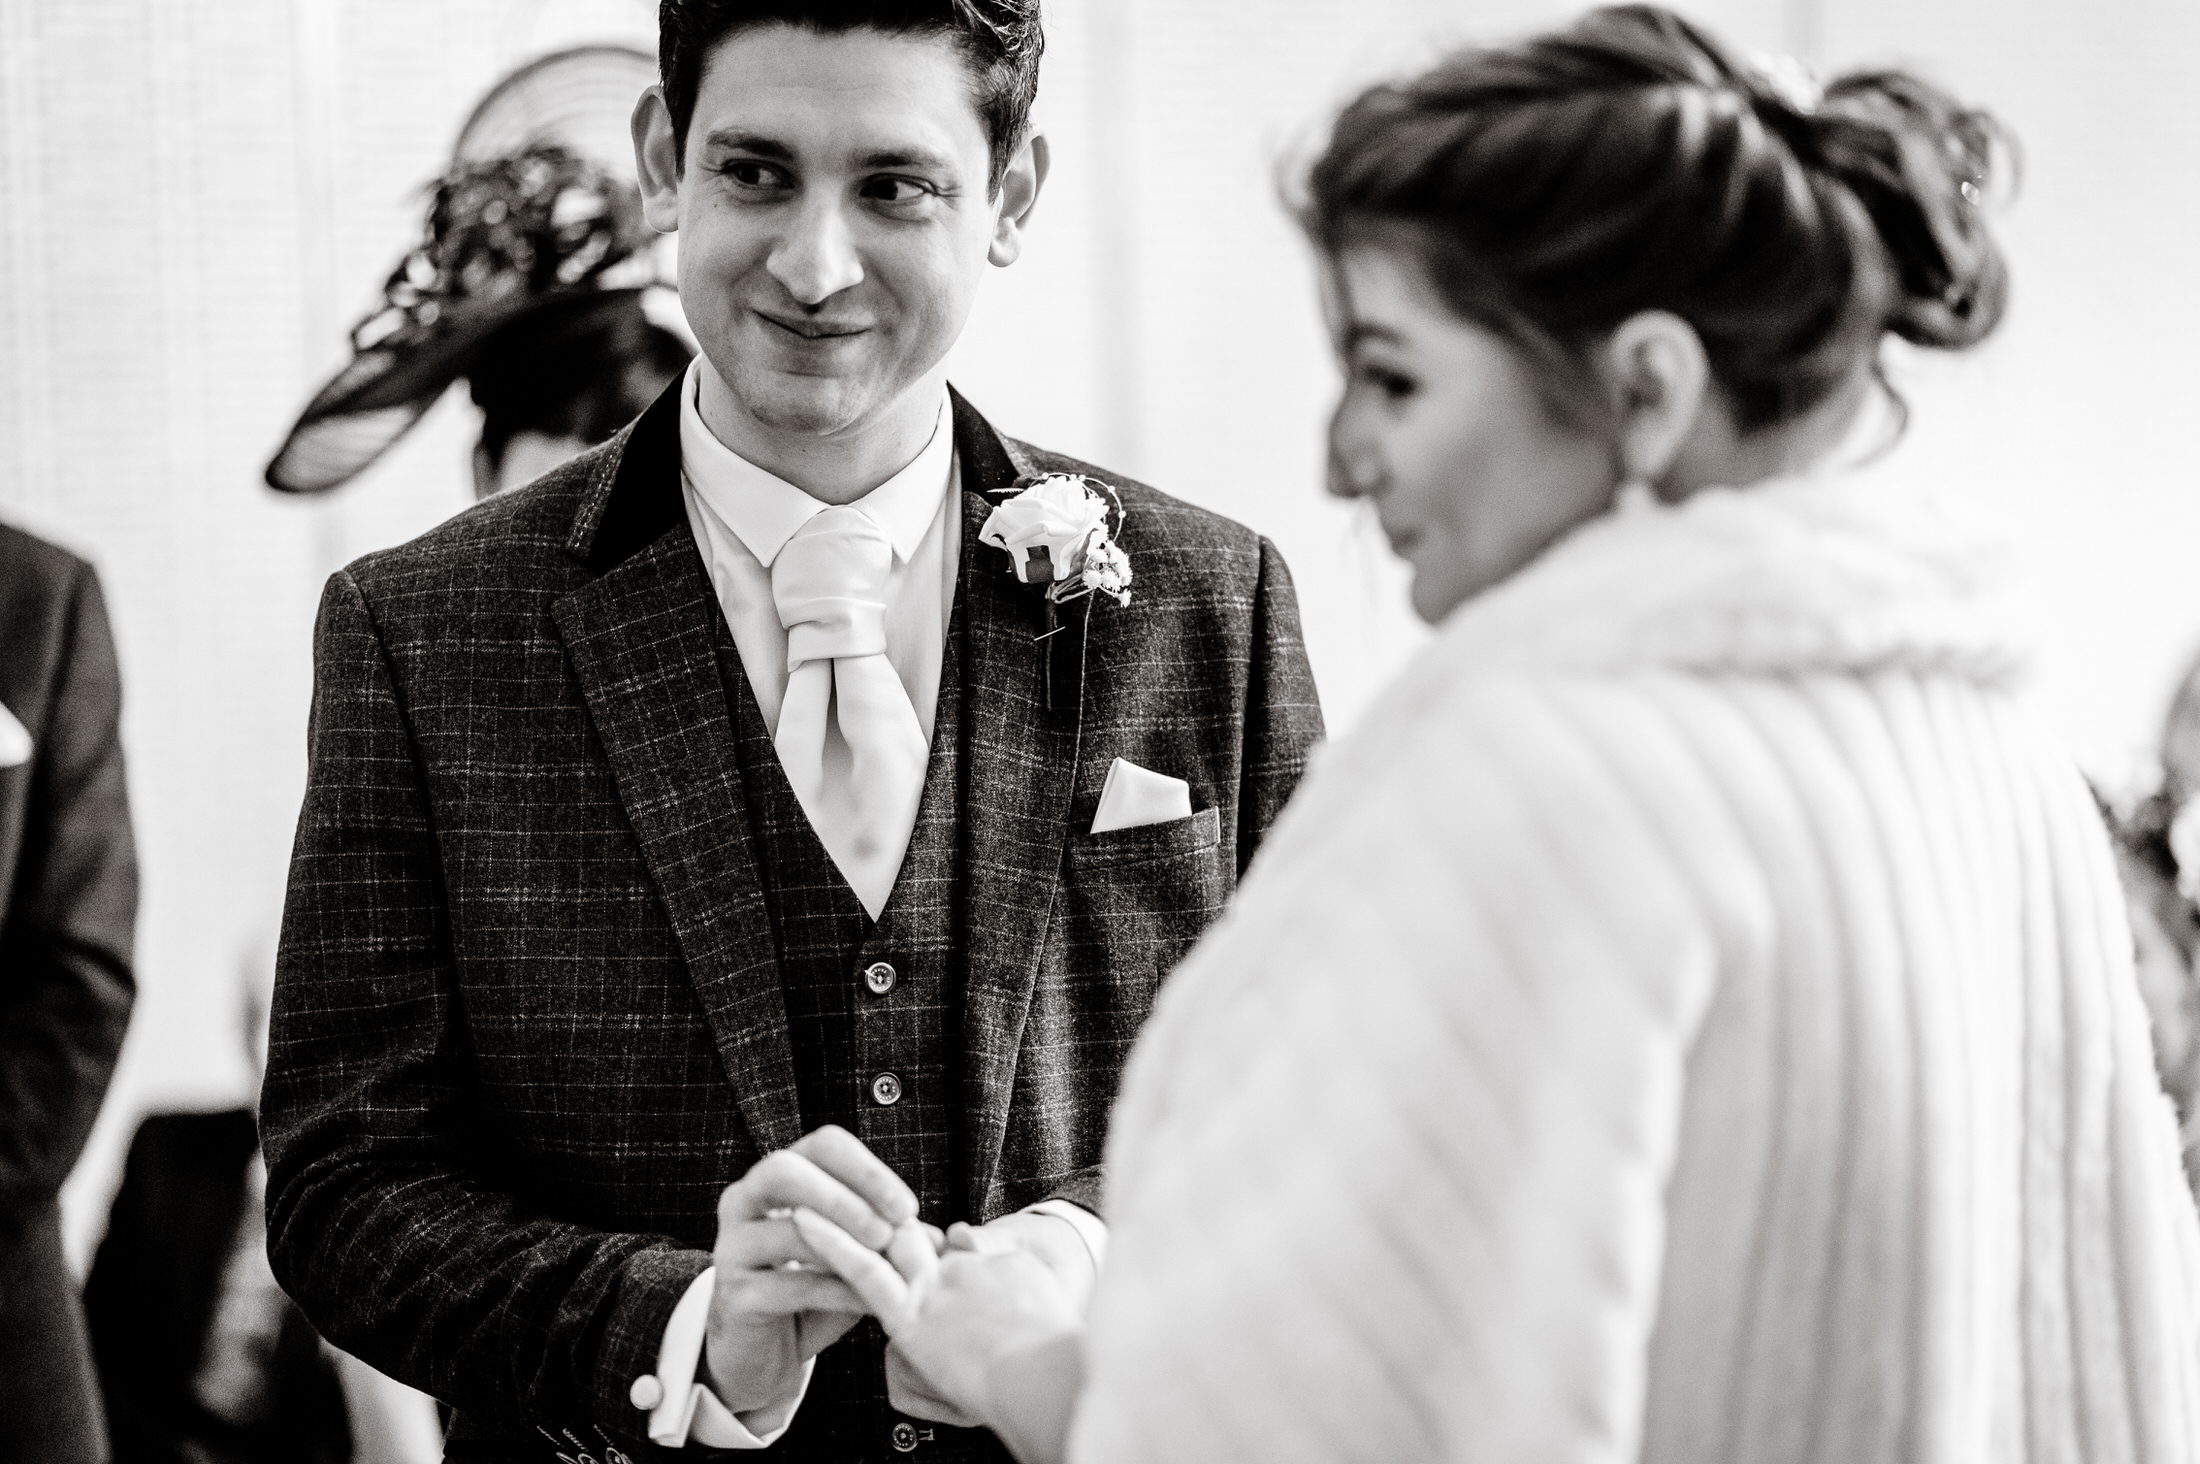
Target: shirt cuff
1090, 1228
684, 1411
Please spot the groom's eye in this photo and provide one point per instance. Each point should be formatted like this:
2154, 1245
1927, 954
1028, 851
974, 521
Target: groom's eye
896, 190
750, 173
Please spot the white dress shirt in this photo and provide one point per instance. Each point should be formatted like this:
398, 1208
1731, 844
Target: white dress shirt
742, 517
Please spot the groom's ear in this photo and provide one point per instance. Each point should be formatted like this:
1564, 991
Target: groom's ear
1020, 185
656, 161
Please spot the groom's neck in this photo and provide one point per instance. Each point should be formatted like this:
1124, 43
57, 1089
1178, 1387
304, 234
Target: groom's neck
836, 466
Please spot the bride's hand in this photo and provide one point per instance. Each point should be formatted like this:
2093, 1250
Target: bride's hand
950, 1313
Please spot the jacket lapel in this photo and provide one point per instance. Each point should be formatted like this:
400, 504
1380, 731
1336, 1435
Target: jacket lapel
642, 638
1021, 771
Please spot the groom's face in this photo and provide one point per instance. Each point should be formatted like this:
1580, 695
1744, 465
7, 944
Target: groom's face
834, 218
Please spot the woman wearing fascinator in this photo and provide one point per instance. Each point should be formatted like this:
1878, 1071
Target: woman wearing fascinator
536, 281
1693, 1018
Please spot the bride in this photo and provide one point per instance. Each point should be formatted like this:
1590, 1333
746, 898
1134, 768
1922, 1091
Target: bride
1693, 1019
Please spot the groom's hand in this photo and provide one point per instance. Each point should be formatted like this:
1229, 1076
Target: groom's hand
767, 1318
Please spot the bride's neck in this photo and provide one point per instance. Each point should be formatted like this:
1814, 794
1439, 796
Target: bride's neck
1716, 455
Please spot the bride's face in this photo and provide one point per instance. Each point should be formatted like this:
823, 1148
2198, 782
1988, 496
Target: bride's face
1441, 429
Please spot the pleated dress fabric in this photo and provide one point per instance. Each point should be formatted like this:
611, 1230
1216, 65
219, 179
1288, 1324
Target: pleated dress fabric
1692, 1020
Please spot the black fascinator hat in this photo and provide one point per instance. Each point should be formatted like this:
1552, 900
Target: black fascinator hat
531, 231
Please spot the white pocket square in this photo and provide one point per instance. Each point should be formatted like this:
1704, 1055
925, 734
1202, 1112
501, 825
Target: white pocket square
1134, 797
15, 743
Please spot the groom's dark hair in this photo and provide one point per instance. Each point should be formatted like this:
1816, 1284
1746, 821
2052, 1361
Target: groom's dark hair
1000, 40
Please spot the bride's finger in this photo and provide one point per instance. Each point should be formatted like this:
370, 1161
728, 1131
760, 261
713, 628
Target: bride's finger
870, 1275
969, 1238
915, 1255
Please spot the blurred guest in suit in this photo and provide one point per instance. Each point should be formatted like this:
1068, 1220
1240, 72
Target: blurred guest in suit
1693, 1019
68, 875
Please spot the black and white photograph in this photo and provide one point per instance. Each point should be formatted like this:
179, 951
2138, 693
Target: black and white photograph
1099, 732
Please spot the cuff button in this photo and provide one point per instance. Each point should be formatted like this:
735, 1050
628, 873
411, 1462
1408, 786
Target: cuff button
647, 1392
905, 1437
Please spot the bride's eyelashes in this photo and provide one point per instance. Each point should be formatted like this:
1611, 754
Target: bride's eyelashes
1392, 384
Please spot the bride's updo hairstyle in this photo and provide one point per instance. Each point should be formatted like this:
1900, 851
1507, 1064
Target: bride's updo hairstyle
1631, 162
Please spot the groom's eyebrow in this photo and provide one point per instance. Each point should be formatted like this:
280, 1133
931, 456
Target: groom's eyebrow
923, 159
735, 139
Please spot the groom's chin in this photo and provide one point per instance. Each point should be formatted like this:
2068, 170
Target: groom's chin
805, 406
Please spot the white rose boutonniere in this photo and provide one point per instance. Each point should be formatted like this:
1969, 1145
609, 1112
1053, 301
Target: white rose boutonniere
1060, 531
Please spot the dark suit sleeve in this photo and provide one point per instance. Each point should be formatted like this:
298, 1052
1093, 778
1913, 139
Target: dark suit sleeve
1283, 715
1082, 1189
384, 1218
65, 946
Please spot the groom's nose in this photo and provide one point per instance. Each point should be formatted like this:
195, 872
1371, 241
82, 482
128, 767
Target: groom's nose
816, 258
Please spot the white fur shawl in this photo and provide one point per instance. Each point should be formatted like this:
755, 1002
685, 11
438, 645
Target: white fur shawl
1691, 1021
1794, 576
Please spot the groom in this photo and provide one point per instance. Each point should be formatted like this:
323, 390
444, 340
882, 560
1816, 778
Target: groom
729, 821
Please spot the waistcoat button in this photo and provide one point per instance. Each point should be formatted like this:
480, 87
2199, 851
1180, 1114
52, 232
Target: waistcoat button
886, 1090
905, 1438
880, 977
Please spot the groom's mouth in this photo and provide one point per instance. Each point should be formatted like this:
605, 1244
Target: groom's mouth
813, 330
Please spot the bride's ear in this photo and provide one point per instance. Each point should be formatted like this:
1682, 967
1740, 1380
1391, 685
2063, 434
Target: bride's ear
1660, 384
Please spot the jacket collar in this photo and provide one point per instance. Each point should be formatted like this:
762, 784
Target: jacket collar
632, 497
633, 493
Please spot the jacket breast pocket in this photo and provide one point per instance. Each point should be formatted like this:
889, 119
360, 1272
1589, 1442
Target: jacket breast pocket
1131, 903
1137, 899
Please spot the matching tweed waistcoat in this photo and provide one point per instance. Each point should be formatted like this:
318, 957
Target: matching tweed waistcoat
880, 1063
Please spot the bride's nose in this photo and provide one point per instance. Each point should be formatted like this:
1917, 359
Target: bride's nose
1354, 470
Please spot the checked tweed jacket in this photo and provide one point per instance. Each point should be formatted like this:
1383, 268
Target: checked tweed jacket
531, 1014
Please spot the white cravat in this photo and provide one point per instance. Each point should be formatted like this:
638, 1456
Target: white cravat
744, 519
848, 737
